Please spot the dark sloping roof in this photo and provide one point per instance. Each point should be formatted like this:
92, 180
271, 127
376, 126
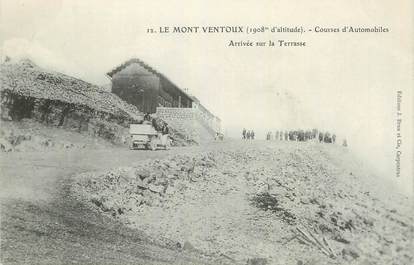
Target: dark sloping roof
27, 79
149, 68
129, 62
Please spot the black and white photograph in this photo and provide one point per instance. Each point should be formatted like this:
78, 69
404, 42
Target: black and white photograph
206, 132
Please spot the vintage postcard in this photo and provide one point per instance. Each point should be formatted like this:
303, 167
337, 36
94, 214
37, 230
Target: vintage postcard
206, 132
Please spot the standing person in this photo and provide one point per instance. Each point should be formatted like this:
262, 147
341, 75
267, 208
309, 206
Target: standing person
333, 138
244, 133
286, 136
270, 136
320, 137
248, 135
314, 133
308, 135
165, 132
157, 124
327, 138
252, 134
147, 118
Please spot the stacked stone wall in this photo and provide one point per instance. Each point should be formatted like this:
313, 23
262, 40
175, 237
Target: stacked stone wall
187, 121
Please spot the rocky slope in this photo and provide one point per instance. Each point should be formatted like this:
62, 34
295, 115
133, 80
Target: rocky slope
57, 100
26, 79
28, 135
287, 203
29, 92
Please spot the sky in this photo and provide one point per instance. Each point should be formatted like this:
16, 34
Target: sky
344, 83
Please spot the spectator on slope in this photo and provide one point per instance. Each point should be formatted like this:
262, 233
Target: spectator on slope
147, 119
290, 135
301, 135
314, 133
165, 131
252, 134
270, 136
327, 138
154, 123
244, 134
320, 137
158, 124
333, 138
248, 135
308, 135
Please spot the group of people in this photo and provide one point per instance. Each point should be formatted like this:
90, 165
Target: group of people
303, 136
159, 125
247, 134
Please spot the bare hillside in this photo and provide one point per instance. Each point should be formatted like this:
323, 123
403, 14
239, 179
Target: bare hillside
36, 102
26, 79
287, 203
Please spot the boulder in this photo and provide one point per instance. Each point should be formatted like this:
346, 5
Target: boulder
141, 184
350, 253
188, 246
142, 173
155, 188
5, 146
170, 190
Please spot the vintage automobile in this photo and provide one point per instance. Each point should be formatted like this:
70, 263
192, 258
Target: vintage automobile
145, 136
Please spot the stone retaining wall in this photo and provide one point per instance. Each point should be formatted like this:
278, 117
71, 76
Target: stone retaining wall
187, 121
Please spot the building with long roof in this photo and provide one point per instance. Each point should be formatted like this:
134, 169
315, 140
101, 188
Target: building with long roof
152, 92
139, 84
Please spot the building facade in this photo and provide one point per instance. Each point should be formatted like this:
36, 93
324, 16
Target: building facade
138, 84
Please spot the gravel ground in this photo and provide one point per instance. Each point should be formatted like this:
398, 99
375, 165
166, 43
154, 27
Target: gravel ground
229, 202
283, 203
43, 223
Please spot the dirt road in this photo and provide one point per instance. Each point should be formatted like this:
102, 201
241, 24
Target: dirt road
41, 223
34, 175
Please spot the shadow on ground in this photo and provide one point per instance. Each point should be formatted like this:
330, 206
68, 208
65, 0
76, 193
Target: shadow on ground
63, 231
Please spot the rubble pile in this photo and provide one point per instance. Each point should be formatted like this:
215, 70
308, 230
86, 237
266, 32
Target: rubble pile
284, 203
54, 99
151, 184
28, 135
27, 79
